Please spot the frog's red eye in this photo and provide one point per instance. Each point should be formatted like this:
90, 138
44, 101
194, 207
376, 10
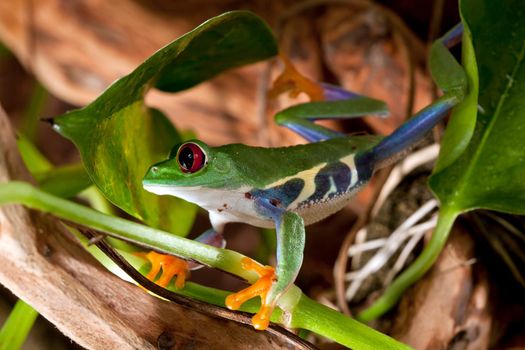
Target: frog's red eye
191, 157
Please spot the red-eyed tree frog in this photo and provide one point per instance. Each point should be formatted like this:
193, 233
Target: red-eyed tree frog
291, 187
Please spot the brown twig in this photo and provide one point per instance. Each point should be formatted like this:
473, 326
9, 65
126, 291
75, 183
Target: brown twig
212, 310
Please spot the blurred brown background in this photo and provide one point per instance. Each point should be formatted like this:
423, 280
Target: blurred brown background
60, 54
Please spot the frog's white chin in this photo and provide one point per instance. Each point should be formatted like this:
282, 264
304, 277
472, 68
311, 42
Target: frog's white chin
169, 190
193, 194
224, 205
208, 198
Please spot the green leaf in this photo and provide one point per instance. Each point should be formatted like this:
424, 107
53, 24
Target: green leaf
490, 173
119, 137
117, 153
34, 161
446, 71
66, 181
230, 40
36, 104
17, 326
463, 119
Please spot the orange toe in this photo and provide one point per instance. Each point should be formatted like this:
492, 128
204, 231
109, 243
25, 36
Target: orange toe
261, 320
171, 266
294, 83
260, 288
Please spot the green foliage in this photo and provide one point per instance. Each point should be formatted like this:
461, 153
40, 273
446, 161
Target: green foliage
34, 109
307, 314
482, 163
463, 119
34, 161
447, 73
490, 173
66, 181
17, 326
119, 137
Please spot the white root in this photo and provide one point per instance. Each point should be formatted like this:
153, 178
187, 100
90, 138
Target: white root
407, 229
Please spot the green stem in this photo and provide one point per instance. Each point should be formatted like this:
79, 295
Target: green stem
217, 296
96, 200
306, 314
311, 316
65, 181
36, 104
421, 265
223, 259
16, 328
344, 330
33, 159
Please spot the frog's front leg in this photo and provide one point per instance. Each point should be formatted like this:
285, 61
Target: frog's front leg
272, 284
171, 266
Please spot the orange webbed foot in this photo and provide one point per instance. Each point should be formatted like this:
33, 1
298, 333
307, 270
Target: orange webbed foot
171, 266
294, 83
261, 320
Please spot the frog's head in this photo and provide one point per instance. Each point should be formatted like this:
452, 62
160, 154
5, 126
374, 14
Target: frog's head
192, 166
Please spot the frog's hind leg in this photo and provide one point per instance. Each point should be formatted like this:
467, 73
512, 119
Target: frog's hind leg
274, 282
451, 79
300, 118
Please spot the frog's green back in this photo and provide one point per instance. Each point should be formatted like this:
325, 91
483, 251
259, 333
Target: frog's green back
258, 167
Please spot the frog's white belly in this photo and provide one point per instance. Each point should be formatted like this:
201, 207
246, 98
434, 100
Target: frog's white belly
315, 212
226, 206
243, 210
